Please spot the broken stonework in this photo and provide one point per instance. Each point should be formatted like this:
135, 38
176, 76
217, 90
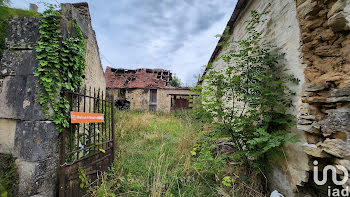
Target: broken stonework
313, 87
338, 22
313, 150
336, 121
337, 7
336, 147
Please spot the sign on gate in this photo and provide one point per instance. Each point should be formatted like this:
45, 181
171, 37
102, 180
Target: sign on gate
83, 117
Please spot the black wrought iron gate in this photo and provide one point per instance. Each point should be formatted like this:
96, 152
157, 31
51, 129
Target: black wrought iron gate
86, 149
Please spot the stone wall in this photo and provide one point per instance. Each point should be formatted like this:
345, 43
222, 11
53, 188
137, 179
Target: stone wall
325, 114
94, 75
139, 98
280, 29
164, 99
25, 131
315, 37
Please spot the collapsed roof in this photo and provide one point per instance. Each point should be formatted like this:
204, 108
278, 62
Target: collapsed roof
137, 78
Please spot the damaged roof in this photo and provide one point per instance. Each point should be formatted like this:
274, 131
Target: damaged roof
138, 78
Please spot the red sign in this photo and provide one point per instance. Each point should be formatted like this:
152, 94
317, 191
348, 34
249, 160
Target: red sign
82, 117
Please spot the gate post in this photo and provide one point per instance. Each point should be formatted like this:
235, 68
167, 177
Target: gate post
113, 126
61, 175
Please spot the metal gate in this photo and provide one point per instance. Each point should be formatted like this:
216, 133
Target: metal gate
86, 149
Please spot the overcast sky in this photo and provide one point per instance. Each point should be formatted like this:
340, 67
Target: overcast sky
172, 34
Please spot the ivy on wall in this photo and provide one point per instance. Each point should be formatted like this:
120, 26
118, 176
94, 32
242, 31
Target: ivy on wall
61, 66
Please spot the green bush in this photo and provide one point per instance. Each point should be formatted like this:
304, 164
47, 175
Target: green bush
8, 176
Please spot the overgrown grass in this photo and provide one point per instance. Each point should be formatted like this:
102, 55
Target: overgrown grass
168, 154
153, 157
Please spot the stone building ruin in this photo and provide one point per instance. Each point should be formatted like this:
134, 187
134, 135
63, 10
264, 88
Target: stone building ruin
146, 89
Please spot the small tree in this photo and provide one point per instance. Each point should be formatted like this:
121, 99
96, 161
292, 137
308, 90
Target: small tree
175, 82
248, 100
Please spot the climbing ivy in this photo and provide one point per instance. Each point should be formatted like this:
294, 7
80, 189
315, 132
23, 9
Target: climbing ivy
61, 66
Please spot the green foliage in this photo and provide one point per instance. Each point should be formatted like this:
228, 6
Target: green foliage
207, 161
5, 14
175, 82
153, 158
8, 176
227, 181
83, 178
61, 66
248, 100
4, 2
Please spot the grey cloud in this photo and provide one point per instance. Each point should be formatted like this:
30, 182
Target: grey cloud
172, 34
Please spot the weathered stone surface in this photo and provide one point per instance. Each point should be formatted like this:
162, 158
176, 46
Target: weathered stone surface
340, 92
338, 99
314, 87
327, 64
7, 135
311, 149
36, 140
308, 7
23, 33
315, 99
312, 24
344, 85
343, 162
308, 128
313, 139
327, 51
19, 93
94, 75
327, 34
340, 135
18, 62
22, 96
336, 147
338, 120
338, 22
304, 121
70, 13
7, 111
337, 7
331, 76
37, 178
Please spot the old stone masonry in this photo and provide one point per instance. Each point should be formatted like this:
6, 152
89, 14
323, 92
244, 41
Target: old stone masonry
314, 35
25, 132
